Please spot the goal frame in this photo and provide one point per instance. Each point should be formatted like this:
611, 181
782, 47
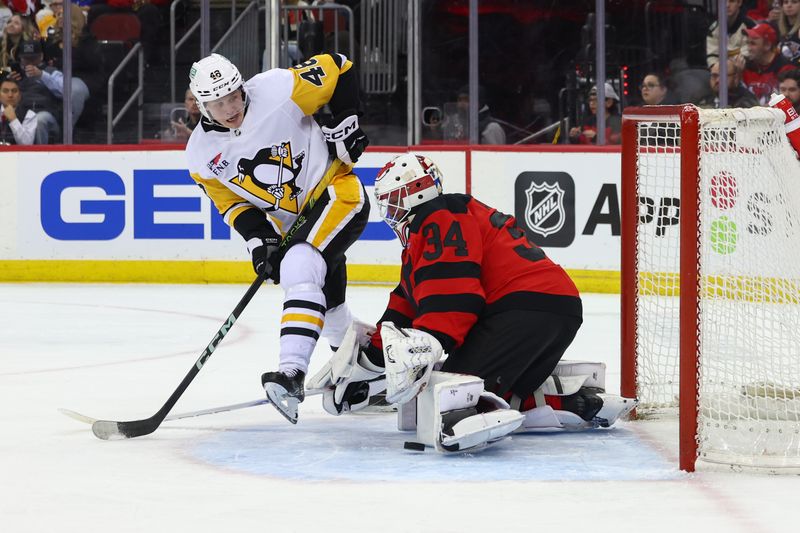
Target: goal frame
689, 278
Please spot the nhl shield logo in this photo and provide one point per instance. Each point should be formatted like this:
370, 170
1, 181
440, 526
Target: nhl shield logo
544, 208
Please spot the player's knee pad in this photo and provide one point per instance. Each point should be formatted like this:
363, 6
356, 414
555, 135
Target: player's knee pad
450, 419
303, 265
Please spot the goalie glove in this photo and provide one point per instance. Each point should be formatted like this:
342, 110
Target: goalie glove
410, 355
264, 253
346, 141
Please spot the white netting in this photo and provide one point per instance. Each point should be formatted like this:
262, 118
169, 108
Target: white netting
749, 325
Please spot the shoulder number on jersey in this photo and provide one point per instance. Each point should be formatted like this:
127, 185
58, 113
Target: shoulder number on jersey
526, 250
435, 244
311, 72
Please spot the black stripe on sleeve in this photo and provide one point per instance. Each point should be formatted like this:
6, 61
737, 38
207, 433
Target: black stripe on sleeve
304, 304
397, 318
339, 59
446, 270
346, 100
448, 303
300, 331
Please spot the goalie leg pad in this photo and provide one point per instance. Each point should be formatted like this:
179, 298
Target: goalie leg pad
595, 373
347, 383
448, 419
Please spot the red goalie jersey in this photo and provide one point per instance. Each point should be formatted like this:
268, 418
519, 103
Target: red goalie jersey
465, 260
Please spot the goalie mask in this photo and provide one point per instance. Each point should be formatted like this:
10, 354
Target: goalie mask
212, 78
406, 182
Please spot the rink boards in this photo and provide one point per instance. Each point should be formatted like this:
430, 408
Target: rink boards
126, 214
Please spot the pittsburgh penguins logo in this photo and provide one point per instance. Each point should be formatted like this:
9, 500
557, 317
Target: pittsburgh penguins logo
271, 176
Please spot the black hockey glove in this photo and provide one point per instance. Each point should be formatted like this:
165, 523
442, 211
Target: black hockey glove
345, 140
266, 259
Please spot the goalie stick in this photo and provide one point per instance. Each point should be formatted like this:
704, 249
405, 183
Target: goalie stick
113, 430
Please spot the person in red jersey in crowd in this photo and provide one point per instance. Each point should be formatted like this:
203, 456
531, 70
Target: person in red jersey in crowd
761, 70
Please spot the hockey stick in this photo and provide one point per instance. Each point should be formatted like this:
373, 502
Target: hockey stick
109, 429
190, 414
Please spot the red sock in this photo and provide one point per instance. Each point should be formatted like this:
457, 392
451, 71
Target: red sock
530, 403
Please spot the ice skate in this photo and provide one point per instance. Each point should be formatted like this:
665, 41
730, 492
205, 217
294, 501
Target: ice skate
285, 391
596, 407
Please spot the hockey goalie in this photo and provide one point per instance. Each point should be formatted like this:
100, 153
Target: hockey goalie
473, 286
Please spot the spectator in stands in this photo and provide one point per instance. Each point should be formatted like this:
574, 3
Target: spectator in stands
180, 130
788, 28
738, 94
738, 21
654, 90
761, 70
87, 79
151, 14
765, 10
586, 132
490, 131
17, 123
26, 8
5, 14
43, 89
789, 86
18, 29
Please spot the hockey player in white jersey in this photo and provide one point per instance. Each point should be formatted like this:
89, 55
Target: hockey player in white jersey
270, 169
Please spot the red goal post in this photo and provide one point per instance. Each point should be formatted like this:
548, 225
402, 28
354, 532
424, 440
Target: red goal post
710, 278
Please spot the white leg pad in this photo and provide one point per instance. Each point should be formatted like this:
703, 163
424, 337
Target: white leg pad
449, 396
595, 372
562, 385
545, 418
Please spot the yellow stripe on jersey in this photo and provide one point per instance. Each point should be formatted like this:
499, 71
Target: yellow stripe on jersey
225, 200
315, 81
346, 200
298, 317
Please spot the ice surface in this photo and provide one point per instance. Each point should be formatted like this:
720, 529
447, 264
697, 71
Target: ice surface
117, 352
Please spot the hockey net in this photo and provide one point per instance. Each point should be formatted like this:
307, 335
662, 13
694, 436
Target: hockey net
711, 281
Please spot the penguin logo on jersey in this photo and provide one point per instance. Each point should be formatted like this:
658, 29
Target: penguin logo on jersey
544, 208
271, 175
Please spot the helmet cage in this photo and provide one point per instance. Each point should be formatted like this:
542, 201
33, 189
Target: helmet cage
396, 204
406, 182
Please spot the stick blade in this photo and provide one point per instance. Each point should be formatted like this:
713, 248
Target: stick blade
77, 416
110, 430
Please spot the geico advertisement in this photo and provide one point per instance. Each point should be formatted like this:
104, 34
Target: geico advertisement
144, 205
567, 203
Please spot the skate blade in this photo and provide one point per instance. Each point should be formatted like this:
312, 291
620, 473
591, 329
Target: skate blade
286, 405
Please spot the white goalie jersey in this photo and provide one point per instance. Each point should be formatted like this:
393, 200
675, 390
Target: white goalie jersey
278, 155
